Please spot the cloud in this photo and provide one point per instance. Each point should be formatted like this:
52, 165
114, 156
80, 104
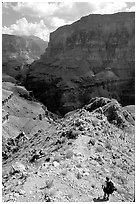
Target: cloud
131, 9
35, 8
69, 10
111, 7
53, 15
23, 27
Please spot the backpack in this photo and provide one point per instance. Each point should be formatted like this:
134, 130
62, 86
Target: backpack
110, 187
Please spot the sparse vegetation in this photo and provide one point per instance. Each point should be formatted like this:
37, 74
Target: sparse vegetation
94, 123
99, 148
70, 134
49, 183
79, 175
108, 146
69, 154
66, 157
57, 157
64, 172
92, 142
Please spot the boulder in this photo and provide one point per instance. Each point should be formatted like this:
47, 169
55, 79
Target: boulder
112, 110
18, 168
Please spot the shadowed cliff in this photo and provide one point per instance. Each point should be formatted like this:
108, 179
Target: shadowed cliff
92, 57
18, 51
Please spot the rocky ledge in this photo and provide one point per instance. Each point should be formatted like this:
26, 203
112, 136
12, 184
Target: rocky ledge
68, 160
92, 57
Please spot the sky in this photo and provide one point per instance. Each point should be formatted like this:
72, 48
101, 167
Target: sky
42, 18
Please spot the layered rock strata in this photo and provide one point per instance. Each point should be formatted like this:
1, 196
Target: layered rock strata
18, 51
92, 57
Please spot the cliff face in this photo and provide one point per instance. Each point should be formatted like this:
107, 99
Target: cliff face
18, 51
92, 57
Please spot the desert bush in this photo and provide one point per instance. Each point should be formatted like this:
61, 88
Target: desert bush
108, 146
49, 183
70, 195
99, 148
81, 128
69, 154
91, 141
122, 137
99, 160
57, 158
64, 172
47, 198
105, 131
94, 123
51, 193
78, 165
78, 122
70, 134
78, 175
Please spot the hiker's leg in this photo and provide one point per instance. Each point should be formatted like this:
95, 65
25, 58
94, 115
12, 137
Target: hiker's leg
107, 196
104, 195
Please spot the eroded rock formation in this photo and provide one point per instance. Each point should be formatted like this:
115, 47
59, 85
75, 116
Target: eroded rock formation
92, 57
18, 51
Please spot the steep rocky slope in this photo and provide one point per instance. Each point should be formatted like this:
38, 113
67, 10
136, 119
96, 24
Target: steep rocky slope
23, 112
68, 159
91, 57
18, 51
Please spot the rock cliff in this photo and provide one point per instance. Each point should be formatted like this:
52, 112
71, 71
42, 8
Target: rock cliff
92, 57
18, 51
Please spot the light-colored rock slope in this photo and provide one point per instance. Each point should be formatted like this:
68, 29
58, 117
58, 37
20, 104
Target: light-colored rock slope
69, 160
23, 113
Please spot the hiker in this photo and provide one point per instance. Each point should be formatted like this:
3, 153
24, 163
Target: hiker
40, 117
108, 188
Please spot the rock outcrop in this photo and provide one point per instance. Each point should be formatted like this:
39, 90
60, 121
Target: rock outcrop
18, 51
92, 57
114, 112
69, 160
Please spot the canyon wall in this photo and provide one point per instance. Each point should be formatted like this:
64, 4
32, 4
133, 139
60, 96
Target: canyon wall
94, 56
18, 51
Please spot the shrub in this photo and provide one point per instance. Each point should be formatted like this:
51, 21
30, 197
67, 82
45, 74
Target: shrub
99, 148
69, 154
47, 198
49, 183
94, 123
108, 146
70, 134
78, 175
78, 123
51, 193
78, 165
81, 128
64, 172
99, 160
70, 195
91, 141
57, 158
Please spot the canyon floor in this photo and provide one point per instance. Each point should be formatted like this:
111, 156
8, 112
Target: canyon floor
66, 159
